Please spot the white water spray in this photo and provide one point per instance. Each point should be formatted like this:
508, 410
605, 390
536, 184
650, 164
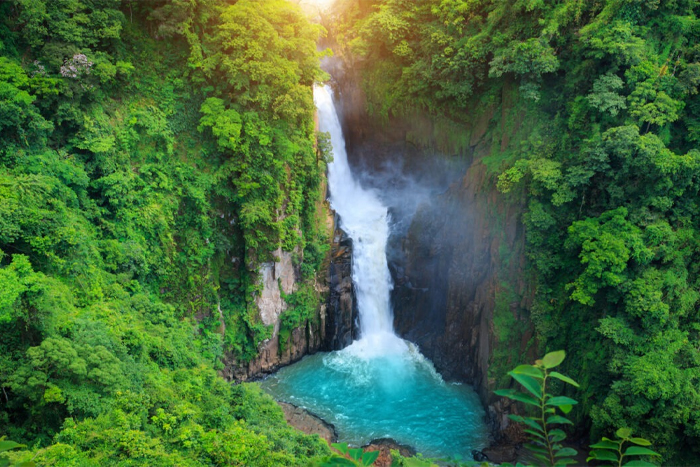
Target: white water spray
365, 219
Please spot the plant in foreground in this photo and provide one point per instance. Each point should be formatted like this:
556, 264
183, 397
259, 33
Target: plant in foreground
350, 457
545, 438
545, 441
6, 446
612, 450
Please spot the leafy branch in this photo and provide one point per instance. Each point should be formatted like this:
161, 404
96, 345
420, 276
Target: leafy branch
545, 439
611, 450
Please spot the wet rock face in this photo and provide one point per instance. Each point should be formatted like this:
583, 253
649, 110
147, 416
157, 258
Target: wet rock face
458, 260
341, 321
335, 327
445, 295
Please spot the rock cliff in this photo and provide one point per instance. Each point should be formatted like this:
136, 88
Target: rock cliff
332, 327
456, 256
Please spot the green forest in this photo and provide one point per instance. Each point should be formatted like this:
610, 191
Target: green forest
606, 153
154, 153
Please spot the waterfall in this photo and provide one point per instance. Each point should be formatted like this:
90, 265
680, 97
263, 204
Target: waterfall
380, 386
365, 219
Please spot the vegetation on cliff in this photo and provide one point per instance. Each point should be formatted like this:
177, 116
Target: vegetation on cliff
152, 154
598, 126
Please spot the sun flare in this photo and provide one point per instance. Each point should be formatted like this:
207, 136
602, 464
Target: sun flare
315, 5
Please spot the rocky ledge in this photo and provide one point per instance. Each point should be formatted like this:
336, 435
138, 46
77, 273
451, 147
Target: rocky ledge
307, 422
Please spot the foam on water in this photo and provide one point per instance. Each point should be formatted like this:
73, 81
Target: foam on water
380, 386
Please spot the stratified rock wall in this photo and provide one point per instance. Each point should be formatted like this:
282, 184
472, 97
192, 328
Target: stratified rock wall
461, 291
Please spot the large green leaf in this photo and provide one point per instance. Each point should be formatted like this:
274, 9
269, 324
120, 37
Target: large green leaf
556, 435
529, 370
356, 454
518, 396
603, 455
536, 434
565, 461
639, 463
624, 433
606, 444
543, 457
565, 452
559, 419
558, 401
529, 383
639, 451
342, 447
7, 445
564, 378
368, 458
530, 421
553, 359
536, 449
338, 461
641, 441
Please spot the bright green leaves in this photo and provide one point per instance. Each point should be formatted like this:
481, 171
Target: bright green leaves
607, 244
20, 286
608, 450
225, 124
21, 123
651, 106
553, 359
545, 439
266, 52
561, 377
78, 22
5, 446
605, 96
350, 457
529, 383
529, 59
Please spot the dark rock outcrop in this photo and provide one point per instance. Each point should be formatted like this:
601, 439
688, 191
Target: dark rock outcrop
342, 317
308, 423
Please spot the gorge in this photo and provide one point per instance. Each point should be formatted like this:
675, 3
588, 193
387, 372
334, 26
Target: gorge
380, 386
497, 202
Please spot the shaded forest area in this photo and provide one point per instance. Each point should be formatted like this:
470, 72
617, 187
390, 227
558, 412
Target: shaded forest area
600, 104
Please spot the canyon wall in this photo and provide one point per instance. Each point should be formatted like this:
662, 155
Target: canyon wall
457, 257
331, 328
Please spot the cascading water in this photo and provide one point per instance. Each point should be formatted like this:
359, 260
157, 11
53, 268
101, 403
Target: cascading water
365, 219
380, 386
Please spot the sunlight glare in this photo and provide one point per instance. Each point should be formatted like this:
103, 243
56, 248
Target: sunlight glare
315, 5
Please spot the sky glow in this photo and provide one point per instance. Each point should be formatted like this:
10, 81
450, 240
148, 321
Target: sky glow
315, 5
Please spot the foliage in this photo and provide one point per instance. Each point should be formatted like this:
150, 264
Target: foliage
6, 446
348, 457
595, 118
612, 450
545, 439
142, 183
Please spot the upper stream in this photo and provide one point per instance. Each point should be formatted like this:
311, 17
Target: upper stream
380, 386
